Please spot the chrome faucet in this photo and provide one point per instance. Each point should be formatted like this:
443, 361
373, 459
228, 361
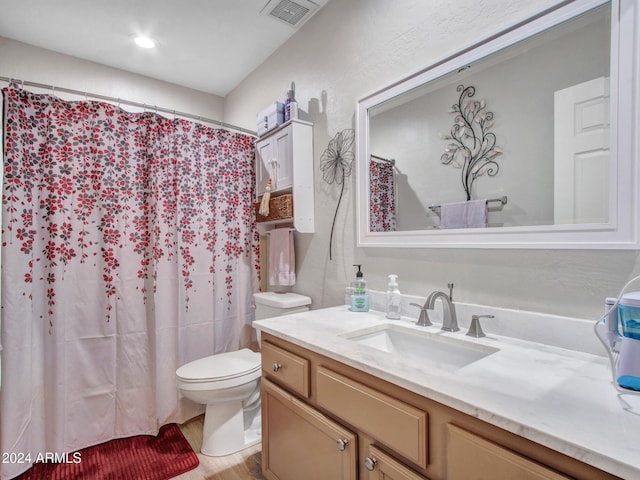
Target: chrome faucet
449, 319
423, 320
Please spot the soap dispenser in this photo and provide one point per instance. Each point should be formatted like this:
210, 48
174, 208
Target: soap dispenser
393, 298
359, 295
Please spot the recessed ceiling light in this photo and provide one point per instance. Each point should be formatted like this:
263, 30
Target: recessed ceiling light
144, 42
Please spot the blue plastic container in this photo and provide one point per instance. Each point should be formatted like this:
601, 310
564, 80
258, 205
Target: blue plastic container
630, 315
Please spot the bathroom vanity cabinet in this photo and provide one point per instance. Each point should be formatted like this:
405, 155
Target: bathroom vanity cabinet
324, 419
286, 156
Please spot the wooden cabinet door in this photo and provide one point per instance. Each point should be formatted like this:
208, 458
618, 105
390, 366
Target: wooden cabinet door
381, 466
299, 442
397, 425
470, 457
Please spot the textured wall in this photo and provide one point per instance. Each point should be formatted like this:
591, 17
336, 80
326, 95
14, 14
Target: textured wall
352, 48
25, 62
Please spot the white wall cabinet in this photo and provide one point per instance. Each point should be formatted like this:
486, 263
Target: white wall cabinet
274, 160
286, 156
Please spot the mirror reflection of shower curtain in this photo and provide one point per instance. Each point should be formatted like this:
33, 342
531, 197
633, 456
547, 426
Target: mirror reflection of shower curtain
382, 196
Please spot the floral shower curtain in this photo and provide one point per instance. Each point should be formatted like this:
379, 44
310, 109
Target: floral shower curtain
129, 248
382, 197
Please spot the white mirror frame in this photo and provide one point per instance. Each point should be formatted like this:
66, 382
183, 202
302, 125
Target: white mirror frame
622, 231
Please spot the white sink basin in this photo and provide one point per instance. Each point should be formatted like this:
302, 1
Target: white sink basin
423, 348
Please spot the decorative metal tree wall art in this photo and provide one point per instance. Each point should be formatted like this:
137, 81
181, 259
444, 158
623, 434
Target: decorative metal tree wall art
335, 164
472, 146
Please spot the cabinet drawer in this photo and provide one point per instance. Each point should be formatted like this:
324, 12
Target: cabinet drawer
286, 368
384, 467
470, 457
399, 426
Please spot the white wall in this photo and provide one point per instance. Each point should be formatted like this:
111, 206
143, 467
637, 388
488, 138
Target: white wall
352, 48
25, 62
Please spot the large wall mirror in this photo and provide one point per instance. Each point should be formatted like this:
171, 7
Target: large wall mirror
528, 139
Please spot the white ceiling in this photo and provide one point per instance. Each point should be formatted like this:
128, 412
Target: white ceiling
208, 45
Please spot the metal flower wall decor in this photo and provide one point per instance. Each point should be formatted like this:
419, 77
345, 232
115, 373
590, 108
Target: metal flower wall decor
335, 164
472, 147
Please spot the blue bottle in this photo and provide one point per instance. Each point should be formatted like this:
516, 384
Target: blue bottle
359, 295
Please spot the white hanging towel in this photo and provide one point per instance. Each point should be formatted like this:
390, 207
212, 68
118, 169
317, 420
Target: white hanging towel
282, 259
471, 214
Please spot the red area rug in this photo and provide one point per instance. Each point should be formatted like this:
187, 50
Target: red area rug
142, 457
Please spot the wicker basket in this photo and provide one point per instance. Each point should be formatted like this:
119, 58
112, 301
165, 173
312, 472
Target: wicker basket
280, 208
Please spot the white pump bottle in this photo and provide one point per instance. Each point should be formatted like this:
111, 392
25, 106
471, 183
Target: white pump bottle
393, 298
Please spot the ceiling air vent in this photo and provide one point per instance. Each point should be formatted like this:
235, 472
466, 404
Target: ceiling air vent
292, 13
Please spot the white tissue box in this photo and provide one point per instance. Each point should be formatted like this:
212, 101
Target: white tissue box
270, 118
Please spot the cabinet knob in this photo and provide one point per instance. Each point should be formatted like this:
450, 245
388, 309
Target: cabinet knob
276, 367
342, 444
370, 463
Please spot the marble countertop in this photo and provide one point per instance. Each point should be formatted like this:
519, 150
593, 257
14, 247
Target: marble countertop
559, 398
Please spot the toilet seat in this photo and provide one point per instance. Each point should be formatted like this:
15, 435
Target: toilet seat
229, 385
221, 367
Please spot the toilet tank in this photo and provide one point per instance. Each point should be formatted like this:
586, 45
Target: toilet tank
272, 304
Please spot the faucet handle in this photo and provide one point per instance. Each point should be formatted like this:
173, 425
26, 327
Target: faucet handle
475, 329
423, 320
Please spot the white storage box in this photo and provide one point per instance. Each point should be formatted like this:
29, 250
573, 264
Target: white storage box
270, 118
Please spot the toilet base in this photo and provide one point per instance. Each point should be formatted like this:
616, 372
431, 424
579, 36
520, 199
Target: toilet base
225, 432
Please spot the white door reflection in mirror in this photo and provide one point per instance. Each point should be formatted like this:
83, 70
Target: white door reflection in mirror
581, 139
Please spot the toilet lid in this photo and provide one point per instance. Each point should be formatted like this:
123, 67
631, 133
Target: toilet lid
281, 300
222, 366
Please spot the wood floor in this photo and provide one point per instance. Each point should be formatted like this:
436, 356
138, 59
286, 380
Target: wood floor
245, 465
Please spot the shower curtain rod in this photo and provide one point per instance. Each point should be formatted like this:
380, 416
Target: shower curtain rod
144, 106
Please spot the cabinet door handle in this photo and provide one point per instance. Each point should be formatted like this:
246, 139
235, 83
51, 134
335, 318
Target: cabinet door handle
342, 444
276, 367
370, 463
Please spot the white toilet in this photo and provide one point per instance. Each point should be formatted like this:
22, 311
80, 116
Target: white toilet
229, 385
272, 304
